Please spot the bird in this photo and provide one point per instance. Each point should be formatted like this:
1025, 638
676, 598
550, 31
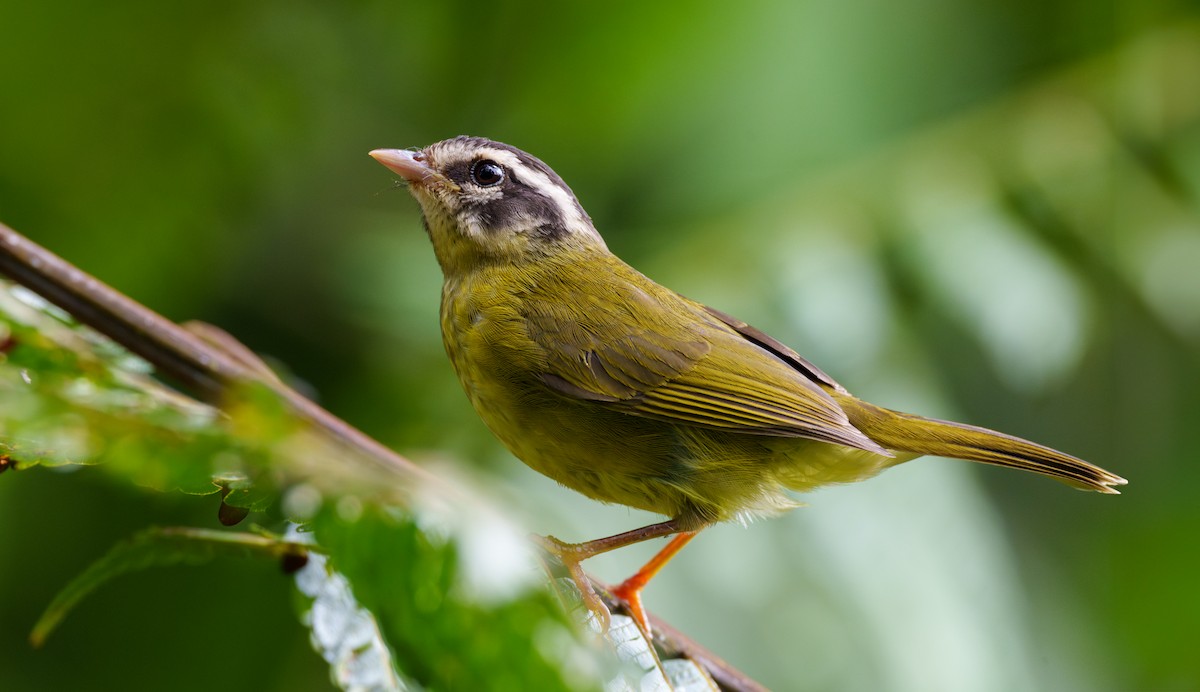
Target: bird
630, 393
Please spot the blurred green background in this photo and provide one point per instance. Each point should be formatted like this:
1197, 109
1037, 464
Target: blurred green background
982, 210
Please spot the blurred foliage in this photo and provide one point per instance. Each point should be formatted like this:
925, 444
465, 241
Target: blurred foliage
157, 548
448, 638
90, 402
981, 210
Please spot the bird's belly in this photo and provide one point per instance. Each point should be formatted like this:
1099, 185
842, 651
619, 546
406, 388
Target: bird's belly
606, 455
611, 457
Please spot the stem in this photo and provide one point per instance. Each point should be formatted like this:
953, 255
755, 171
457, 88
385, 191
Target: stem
206, 370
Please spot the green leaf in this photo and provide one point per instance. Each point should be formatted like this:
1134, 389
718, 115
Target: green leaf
69, 396
441, 634
158, 547
345, 634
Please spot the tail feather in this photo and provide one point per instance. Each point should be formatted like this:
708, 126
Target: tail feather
905, 432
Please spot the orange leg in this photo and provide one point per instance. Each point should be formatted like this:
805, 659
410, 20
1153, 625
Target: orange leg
572, 554
630, 590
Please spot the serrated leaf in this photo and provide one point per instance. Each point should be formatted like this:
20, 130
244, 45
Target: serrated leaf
157, 547
440, 636
69, 396
344, 633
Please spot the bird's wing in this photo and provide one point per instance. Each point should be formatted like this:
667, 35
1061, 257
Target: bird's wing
777, 347
670, 359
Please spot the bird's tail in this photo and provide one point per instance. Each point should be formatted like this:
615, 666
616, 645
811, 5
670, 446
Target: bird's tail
907, 433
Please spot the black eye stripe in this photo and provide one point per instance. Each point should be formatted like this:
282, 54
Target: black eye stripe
458, 172
520, 204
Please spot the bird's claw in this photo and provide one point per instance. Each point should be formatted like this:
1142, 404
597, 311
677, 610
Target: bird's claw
631, 595
567, 554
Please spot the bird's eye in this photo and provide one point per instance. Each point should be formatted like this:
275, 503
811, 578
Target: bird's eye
487, 173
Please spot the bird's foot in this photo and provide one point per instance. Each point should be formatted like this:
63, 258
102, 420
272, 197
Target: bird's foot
570, 555
571, 558
630, 593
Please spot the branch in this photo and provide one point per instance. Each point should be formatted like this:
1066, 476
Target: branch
208, 371
212, 373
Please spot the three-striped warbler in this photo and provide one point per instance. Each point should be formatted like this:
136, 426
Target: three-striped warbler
628, 392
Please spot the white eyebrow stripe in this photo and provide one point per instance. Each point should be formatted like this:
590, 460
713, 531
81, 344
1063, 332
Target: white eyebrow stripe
542, 183
532, 177
453, 152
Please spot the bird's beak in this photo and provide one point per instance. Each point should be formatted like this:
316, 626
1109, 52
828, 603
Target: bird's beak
409, 165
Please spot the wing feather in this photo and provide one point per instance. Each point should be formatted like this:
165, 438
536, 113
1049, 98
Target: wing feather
668, 358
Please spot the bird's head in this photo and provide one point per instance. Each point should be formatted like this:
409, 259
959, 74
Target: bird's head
486, 202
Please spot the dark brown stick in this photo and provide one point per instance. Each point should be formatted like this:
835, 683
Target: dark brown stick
209, 372
212, 373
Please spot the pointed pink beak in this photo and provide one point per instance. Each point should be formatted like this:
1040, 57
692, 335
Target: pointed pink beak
409, 165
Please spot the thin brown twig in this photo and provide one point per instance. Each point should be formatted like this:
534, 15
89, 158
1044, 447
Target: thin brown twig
212, 373
206, 370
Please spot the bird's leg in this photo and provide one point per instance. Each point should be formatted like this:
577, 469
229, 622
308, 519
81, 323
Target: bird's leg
630, 590
572, 554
